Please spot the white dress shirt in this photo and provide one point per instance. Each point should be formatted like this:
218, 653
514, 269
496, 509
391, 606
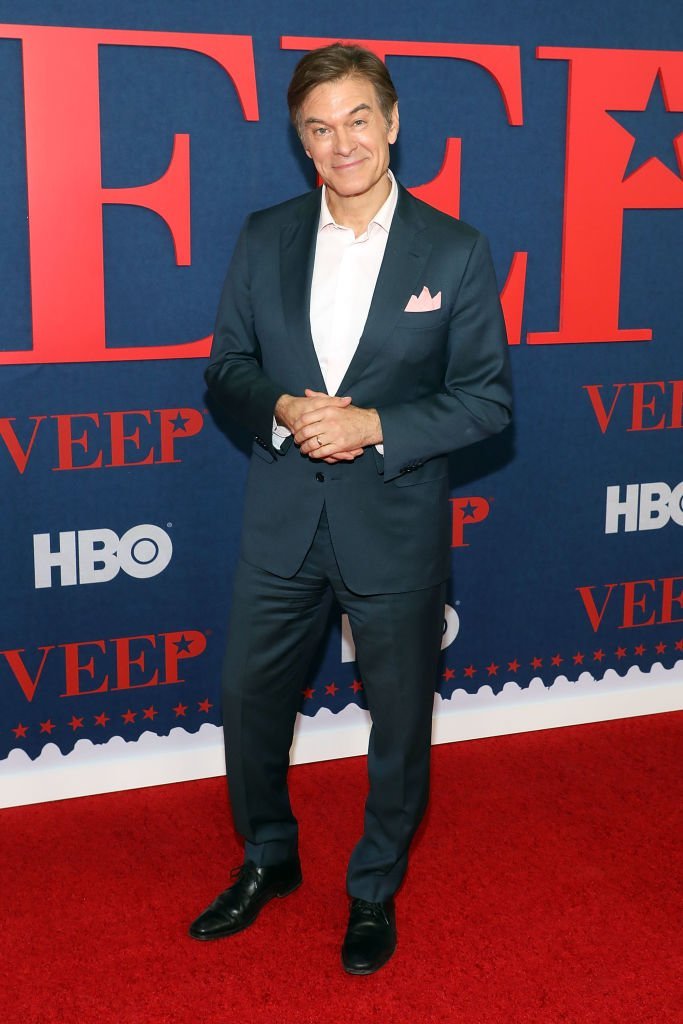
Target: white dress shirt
345, 273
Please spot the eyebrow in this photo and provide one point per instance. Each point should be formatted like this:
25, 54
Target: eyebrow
319, 120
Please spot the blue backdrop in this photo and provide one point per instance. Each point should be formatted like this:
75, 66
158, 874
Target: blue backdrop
116, 577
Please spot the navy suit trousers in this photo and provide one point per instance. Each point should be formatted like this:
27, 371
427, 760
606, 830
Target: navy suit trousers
275, 627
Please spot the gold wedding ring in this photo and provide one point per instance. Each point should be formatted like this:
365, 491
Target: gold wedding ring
317, 437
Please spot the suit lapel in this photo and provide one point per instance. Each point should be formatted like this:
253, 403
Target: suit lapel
297, 253
404, 259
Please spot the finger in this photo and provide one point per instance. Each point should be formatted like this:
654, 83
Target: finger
322, 452
327, 399
313, 445
344, 456
333, 452
318, 410
340, 399
319, 414
309, 434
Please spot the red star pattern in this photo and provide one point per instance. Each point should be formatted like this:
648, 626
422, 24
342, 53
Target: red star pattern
356, 686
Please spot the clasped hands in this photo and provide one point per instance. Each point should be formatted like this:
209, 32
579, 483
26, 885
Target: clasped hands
328, 428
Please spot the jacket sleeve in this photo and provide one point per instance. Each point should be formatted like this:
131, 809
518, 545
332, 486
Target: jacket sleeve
476, 398
234, 374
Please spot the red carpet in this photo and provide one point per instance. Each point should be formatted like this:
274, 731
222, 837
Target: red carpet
545, 887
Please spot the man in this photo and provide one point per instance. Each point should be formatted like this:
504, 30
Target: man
360, 339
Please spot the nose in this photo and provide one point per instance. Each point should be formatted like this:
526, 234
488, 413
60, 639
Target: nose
344, 142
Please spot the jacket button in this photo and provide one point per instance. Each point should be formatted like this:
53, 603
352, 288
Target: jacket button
320, 477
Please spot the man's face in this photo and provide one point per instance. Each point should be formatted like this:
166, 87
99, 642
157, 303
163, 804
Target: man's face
346, 136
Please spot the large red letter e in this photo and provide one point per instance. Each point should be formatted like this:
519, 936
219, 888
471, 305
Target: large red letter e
64, 184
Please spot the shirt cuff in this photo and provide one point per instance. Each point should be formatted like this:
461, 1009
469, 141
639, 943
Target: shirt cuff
280, 433
380, 448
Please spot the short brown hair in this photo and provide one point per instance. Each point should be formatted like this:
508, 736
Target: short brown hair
333, 62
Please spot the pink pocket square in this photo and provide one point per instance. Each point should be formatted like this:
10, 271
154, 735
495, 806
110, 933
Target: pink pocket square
424, 302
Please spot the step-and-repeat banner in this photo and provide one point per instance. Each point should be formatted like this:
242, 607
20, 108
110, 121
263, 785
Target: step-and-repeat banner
135, 139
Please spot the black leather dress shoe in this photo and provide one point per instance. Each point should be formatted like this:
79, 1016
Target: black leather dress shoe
370, 937
237, 907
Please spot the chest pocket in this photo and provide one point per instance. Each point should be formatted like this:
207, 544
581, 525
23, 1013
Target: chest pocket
422, 321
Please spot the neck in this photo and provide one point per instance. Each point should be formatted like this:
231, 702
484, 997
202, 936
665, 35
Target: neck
356, 212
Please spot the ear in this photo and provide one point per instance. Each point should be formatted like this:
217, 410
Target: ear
392, 134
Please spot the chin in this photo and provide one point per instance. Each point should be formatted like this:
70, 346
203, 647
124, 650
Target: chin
350, 187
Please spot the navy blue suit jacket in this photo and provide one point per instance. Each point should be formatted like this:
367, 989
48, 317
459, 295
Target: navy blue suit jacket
439, 380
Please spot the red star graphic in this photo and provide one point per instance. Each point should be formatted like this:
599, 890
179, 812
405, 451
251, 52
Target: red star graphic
492, 669
598, 655
578, 658
47, 727
20, 731
180, 710
556, 660
101, 719
184, 645
356, 685
331, 689
150, 712
679, 599
620, 652
129, 716
308, 693
660, 648
514, 666
639, 650
205, 705
448, 673
76, 723
537, 663
679, 645
469, 671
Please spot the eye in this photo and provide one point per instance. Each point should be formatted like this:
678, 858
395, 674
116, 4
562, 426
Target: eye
320, 131
358, 123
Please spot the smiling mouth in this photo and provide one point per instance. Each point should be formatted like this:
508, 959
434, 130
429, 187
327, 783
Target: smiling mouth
346, 167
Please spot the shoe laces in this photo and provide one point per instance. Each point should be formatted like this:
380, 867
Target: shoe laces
244, 875
368, 909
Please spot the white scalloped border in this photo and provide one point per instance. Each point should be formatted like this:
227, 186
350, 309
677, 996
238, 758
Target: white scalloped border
152, 760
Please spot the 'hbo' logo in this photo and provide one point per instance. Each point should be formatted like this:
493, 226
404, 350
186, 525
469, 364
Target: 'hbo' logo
643, 507
96, 556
